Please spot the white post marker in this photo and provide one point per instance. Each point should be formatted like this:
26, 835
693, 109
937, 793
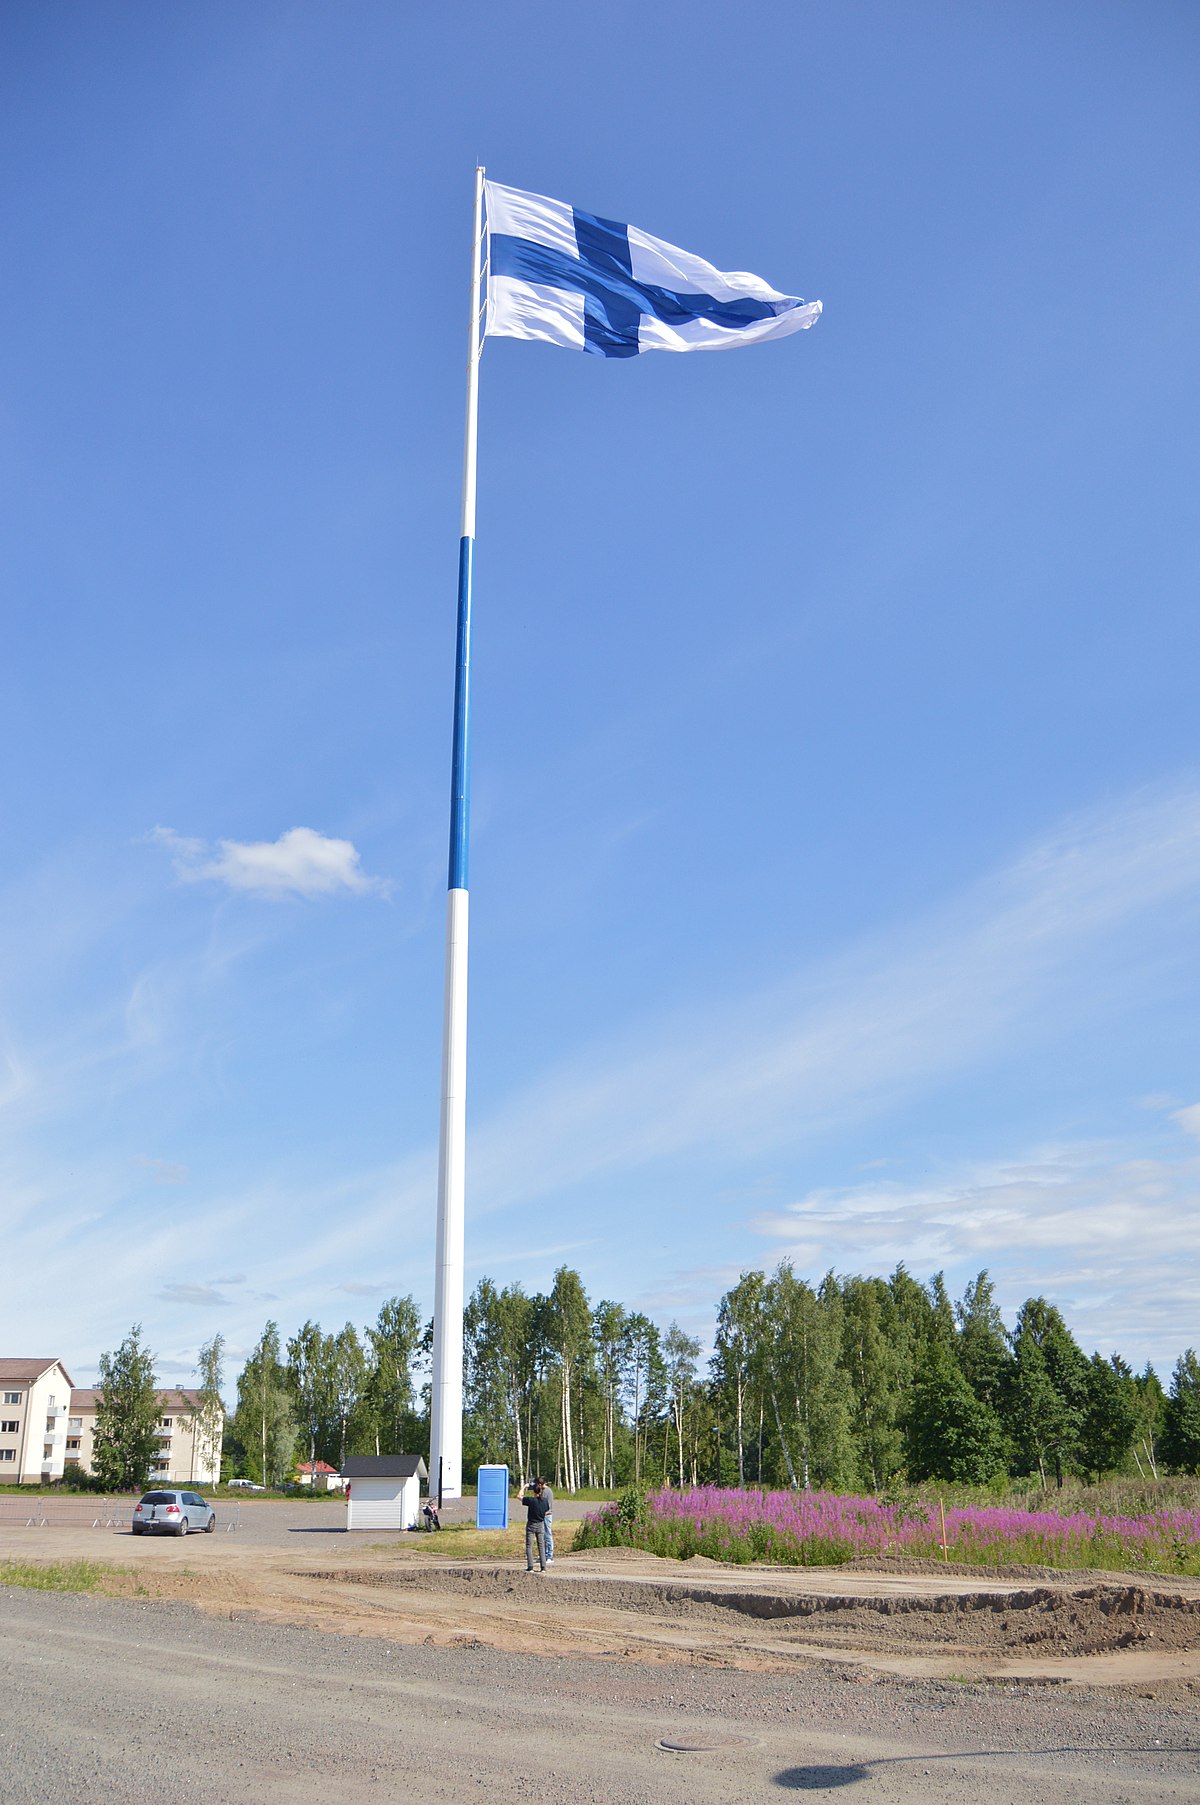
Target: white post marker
445, 1428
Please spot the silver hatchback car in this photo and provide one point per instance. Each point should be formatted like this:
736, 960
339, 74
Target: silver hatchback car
173, 1513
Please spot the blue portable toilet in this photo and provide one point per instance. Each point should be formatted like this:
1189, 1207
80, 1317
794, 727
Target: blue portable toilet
491, 1498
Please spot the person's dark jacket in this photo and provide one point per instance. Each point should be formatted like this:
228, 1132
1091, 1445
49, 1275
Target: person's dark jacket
537, 1505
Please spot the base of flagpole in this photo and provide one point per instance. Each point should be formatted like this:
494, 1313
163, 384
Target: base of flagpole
446, 1391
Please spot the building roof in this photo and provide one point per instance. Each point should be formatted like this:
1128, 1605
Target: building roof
319, 1466
29, 1370
384, 1466
89, 1399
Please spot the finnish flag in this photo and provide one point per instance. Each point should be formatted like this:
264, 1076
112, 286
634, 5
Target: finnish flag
558, 274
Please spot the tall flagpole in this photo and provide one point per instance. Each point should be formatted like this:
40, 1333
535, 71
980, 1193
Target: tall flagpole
446, 1397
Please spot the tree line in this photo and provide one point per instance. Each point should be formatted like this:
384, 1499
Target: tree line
854, 1382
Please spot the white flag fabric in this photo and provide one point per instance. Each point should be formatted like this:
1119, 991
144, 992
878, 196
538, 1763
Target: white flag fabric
569, 278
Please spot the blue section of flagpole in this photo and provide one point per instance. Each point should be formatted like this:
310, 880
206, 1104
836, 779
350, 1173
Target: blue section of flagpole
460, 778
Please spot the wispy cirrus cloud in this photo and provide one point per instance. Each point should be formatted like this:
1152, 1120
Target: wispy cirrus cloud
301, 862
1010, 960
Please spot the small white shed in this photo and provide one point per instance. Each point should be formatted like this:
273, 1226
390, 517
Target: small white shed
383, 1491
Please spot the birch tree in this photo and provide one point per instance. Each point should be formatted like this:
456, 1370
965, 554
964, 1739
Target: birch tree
681, 1352
738, 1347
568, 1327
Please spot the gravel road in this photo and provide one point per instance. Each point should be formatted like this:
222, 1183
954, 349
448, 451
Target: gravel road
110, 1701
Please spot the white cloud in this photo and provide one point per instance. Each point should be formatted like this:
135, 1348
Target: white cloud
1101, 1232
301, 862
1188, 1119
685, 1112
192, 1294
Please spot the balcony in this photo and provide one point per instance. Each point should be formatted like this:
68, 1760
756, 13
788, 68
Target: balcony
53, 1441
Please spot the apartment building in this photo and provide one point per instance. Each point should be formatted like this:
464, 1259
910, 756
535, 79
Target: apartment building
183, 1457
34, 1406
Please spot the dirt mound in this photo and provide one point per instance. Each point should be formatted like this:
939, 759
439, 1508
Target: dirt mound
1057, 1621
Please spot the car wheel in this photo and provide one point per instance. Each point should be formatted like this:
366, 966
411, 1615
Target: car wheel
135, 1529
211, 1524
183, 1528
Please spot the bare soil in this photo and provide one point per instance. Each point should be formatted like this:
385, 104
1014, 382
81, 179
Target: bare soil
1110, 1630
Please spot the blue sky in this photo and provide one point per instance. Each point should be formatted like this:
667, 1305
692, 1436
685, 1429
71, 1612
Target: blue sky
836, 834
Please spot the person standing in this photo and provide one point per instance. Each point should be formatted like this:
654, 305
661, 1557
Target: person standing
536, 1512
548, 1495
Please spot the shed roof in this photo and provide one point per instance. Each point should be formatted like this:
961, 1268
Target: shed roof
385, 1466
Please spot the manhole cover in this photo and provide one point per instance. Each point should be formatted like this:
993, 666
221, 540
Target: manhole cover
698, 1745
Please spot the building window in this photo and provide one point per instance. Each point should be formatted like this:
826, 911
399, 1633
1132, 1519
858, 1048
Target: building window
10, 1428
73, 1445
8, 1453
12, 1397
72, 1460
74, 1424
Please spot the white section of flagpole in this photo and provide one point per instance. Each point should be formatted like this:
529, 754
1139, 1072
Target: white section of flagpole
446, 1391
475, 345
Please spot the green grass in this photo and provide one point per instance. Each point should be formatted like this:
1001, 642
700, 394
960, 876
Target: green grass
55, 1576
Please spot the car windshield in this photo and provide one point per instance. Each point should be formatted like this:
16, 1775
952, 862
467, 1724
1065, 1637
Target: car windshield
159, 1498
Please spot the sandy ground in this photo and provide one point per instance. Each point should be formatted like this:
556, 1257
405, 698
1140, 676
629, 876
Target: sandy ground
295, 1565
113, 1702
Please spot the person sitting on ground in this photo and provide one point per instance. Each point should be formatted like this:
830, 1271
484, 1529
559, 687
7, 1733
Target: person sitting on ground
430, 1513
536, 1511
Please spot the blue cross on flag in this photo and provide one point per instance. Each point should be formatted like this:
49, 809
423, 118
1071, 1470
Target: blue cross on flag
558, 274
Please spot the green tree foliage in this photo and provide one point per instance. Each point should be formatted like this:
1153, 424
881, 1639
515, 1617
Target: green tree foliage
907, 1326
498, 1361
568, 1336
681, 1353
126, 1438
609, 1326
942, 1323
388, 1397
808, 1390
264, 1424
645, 1385
347, 1383
1111, 1415
1152, 1410
1047, 1391
853, 1382
311, 1376
982, 1345
207, 1419
1181, 1427
870, 1366
952, 1434
739, 1354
